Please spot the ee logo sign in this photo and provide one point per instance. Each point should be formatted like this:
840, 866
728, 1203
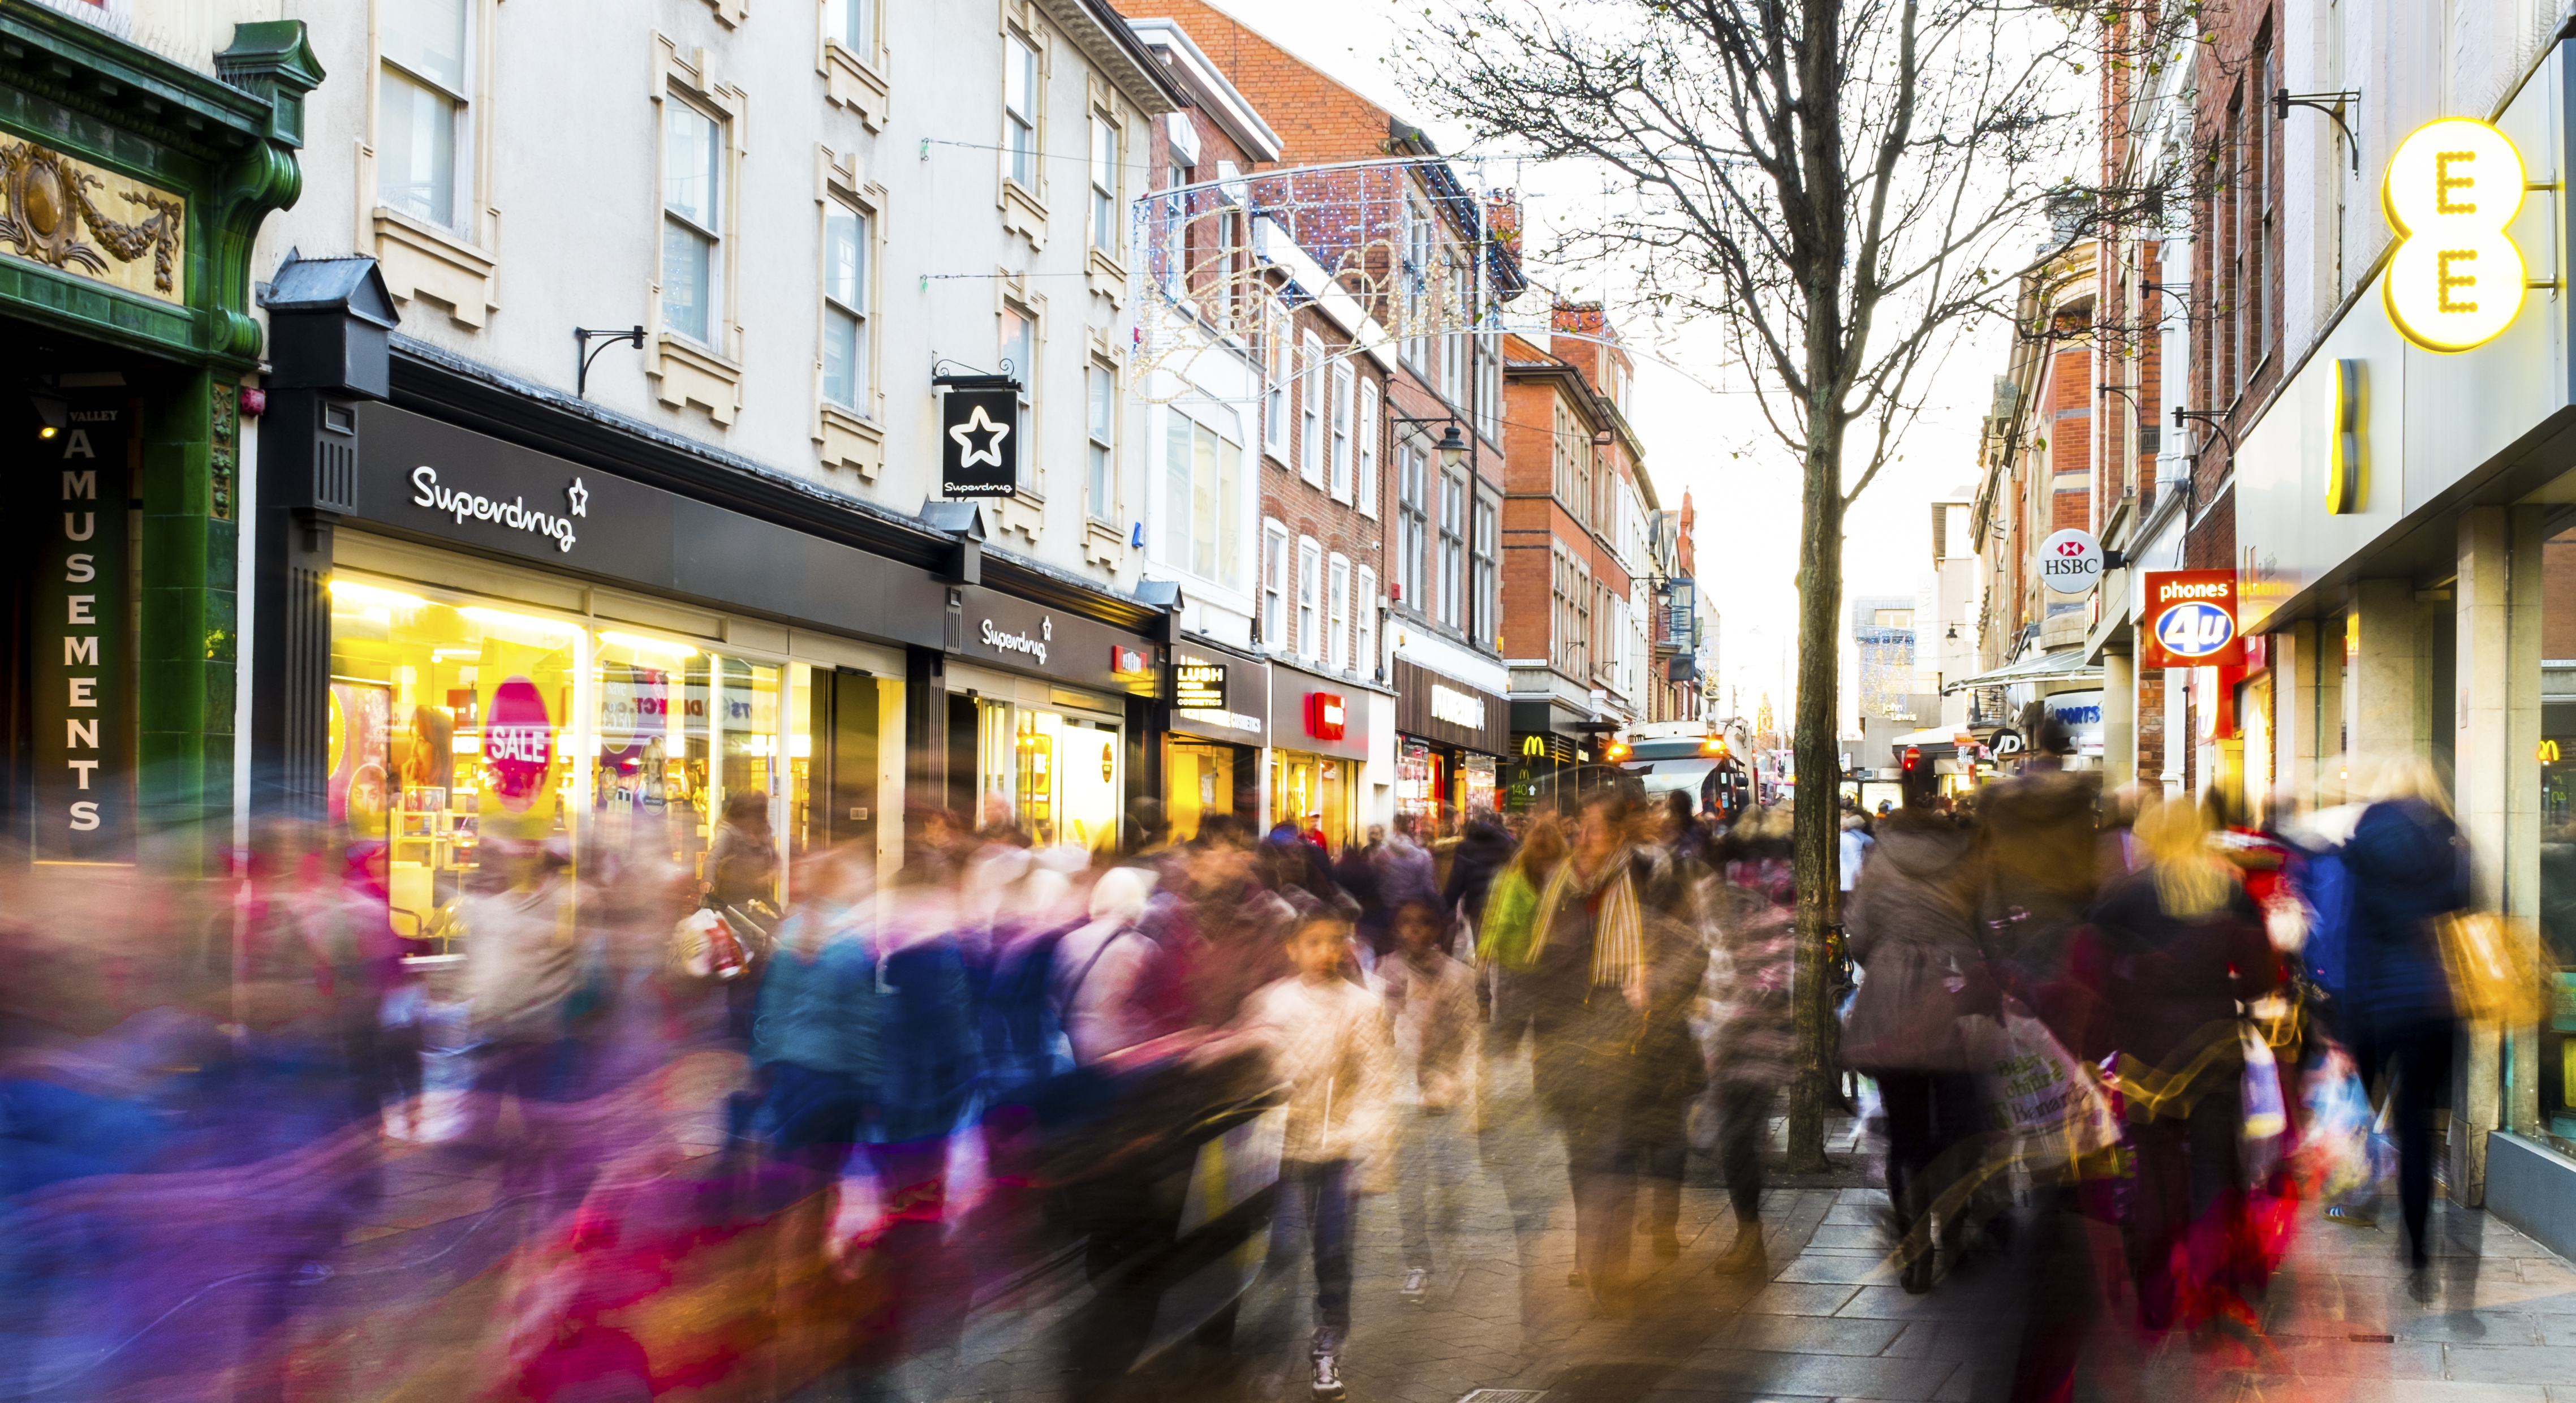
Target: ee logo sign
2456, 280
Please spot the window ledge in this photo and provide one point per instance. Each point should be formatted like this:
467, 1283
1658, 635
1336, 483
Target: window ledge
1023, 213
846, 440
1103, 543
691, 374
1107, 276
850, 81
419, 259
1024, 511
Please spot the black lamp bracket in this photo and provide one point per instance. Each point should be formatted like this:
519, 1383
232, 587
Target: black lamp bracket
2331, 104
583, 336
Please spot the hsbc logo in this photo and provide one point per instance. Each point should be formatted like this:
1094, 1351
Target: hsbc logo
2070, 548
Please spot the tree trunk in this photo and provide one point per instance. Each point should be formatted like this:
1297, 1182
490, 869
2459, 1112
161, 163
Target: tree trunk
1818, 748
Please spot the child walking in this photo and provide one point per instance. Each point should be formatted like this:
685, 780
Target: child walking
1331, 1042
1431, 1006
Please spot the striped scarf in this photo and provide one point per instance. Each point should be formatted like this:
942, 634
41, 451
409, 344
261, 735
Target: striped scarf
1618, 935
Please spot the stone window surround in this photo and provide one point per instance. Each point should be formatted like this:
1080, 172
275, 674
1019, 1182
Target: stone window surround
858, 82
843, 438
683, 371
1024, 211
458, 268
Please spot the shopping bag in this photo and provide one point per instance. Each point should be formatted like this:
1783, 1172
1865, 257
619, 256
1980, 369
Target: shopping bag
2039, 1092
2267, 1118
2494, 965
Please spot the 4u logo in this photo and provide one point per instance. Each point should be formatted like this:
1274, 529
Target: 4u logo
2456, 280
2195, 629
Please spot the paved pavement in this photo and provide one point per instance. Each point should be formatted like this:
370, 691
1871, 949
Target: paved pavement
1827, 1321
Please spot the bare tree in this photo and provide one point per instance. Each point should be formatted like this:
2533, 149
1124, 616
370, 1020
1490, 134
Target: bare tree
1842, 187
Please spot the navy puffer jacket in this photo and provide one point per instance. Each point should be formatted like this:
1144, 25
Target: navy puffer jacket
2407, 868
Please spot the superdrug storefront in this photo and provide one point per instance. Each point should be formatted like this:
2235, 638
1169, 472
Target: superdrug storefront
478, 647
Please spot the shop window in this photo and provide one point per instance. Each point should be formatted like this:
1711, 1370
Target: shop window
692, 222
1050, 775
452, 729
2557, 761
424, 124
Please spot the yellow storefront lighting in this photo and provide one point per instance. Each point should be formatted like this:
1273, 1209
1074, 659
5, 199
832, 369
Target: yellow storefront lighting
361, 596
505, 618
2343, 446
2455, 281
641, 643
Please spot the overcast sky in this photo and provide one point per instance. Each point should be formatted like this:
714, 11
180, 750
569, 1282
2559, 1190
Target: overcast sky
1748, 504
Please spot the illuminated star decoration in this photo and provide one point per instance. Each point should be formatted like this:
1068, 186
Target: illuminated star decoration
978, 423
580, 496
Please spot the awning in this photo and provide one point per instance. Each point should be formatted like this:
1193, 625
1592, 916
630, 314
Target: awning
2065, 665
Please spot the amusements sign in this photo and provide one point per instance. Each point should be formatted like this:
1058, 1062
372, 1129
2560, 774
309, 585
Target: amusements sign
83, 791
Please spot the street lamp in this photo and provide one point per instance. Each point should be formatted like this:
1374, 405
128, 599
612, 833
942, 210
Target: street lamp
1452, 447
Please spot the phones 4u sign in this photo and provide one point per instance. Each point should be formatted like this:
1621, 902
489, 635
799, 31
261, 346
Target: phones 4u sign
979, 435
2191, 620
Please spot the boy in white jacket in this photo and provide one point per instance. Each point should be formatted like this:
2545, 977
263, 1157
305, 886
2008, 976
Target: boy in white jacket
1332, 1048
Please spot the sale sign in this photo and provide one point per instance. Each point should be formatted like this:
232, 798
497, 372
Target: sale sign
2190, 620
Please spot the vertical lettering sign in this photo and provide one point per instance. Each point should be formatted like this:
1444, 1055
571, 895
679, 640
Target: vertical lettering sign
83, 792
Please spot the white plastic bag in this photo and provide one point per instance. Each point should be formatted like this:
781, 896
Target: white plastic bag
2038, 1091
2267, 1118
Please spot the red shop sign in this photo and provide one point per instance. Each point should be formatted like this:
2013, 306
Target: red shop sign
1324, 715
2191, 620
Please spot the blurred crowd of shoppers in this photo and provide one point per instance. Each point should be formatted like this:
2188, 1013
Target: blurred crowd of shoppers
830, 1111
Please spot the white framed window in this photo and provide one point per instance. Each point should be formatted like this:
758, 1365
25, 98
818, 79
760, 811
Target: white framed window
1100, 404
1417, 283
1278, 342
424, 122
1368, 430
1453, 493
1020, 111
1487, 563
1413, 525
1274, 586
1345, 390
1017, 353
1310, 598
1364, 628
1310, 378
852, 24
1104, 185
693, 170
1456, 300
1337, 613
846, 246
1202, 500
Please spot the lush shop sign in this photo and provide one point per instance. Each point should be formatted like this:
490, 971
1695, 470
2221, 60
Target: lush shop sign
83, 790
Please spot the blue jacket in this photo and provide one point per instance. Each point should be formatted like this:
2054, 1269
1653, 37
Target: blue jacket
901, 1030
2406, 868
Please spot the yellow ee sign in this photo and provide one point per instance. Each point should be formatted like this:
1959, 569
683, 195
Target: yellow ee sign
2455, 281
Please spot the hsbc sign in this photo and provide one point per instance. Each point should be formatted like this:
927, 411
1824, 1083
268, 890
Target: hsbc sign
2070, 562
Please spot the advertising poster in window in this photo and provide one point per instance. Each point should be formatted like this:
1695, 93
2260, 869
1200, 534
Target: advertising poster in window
522, 694
83, 790
360, 792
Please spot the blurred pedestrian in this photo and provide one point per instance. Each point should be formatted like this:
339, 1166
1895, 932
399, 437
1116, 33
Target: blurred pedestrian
1332, 1049
2177, 950
1910, 929
2408, 868
1755, 1036
1430, 1002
